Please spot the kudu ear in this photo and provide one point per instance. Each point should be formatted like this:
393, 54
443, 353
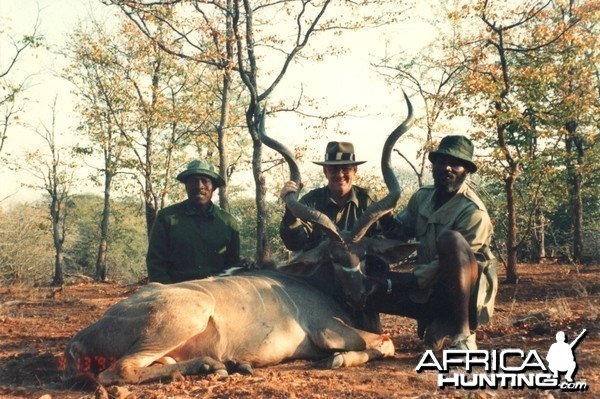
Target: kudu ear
306, 263
391, 251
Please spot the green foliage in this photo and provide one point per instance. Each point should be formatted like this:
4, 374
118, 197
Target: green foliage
147, 112
27, 254
26, 250
244, 210
528, 83
556, 209
127, 243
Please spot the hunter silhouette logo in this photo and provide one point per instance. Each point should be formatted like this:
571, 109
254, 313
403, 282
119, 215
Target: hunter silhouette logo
507, 368
561, 356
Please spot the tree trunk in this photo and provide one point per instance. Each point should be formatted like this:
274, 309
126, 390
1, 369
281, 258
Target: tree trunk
150, 214
150, 202
537, 236
223, 167
104, 227
222, 143
149, 199
541, 233
512, 173
533, 253
225, 108
58, 278
575, 154
149, 195
262, 234
577, 213
512, 275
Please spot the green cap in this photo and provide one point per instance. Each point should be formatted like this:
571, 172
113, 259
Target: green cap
199, 167
458, 147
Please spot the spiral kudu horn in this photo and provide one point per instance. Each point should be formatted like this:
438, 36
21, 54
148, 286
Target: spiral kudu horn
380, 208
298, 209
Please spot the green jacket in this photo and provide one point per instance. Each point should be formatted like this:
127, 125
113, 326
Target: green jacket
298, 235
464, 213
186, 244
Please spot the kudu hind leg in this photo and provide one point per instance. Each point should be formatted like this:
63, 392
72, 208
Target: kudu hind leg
131, 374
356, 358
353, 346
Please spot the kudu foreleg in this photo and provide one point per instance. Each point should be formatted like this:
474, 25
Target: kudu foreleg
139, 375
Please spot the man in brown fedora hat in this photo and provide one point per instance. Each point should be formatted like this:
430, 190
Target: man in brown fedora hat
340, 199
343, 203
195, 238
453, 287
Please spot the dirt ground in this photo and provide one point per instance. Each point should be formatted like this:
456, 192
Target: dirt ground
36, 324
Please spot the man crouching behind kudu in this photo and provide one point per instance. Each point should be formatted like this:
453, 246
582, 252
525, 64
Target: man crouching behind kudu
453, 287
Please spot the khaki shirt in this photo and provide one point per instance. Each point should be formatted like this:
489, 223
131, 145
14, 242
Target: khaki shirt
299, 235
464, 213
186, 244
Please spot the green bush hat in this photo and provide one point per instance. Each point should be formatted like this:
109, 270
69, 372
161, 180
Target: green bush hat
339, 153
199, 167
459, 147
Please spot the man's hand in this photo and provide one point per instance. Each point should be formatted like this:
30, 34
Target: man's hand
386, 220
289, 187
248, 264
378, 284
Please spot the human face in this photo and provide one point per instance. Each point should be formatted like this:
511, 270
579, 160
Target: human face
340, 178
199, 190
449, 173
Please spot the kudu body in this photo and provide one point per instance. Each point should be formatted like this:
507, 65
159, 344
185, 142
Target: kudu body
249, 320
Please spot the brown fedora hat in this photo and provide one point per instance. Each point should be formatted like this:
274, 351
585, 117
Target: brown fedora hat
339, 153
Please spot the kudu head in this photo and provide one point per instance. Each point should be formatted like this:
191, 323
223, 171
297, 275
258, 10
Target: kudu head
346, 250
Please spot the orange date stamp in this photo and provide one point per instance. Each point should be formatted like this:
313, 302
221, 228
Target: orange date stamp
88, 364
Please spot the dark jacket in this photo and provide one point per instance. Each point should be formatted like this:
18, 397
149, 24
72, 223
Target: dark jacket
186, 244
298, 235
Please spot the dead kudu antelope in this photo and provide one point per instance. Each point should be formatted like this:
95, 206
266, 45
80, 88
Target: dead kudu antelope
253, 319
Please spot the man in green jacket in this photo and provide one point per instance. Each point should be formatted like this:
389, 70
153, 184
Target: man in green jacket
195, 238
452, 288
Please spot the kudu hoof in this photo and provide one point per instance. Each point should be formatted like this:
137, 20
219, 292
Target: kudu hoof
245, 369
333, 362
221, 373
